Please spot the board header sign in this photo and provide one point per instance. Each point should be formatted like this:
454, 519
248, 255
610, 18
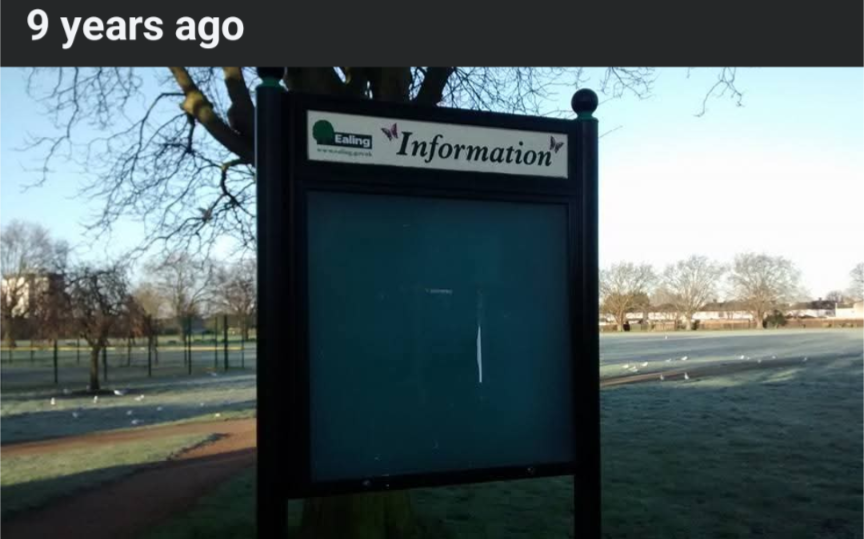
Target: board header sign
370, 140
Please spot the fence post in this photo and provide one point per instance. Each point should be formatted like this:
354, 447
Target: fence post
215, 342
225, 339
56, 378
189, 342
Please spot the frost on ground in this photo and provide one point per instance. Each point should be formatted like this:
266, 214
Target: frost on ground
29, 415
657, 352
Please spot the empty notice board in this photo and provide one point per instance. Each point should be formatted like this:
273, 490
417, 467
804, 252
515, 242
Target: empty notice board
438, 335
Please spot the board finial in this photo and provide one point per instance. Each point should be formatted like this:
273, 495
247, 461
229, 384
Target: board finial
584, 103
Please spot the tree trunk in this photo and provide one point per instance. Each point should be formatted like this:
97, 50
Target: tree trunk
689, 323
9, 337
386, 515
94, 368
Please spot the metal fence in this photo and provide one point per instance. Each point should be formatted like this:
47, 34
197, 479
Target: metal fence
68, 364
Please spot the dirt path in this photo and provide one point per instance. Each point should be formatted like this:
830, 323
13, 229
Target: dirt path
134, 504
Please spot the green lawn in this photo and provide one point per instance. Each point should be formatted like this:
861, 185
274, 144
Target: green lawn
28, 481
763, 453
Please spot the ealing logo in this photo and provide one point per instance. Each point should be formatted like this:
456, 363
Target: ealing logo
325, 135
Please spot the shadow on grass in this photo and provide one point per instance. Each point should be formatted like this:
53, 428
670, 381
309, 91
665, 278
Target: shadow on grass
757, 453
52, 507
20, 498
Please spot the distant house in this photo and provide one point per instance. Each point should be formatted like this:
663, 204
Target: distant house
811, 309
723, 310
21, 292
732, 311
856, 310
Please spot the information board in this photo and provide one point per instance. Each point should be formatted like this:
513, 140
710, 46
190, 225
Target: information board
427, 299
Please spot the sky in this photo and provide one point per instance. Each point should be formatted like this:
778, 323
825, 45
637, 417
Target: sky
783, 174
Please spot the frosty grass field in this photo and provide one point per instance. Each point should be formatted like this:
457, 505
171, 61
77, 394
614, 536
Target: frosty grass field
774, 450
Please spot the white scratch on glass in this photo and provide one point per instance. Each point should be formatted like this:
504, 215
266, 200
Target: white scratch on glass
479, 354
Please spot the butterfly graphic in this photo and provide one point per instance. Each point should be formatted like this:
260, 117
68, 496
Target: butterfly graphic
553, 144
391, 133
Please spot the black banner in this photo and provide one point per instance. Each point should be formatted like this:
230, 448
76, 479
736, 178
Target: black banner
348, 32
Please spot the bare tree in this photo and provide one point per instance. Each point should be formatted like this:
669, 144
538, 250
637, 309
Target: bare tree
135, 323
184, 282
147, 295
235, 291
31, 263
98, 299
183, 164
623, 288
691, 284
661, 300
835, 296
856, 287
50, 312
149, 307
762, 283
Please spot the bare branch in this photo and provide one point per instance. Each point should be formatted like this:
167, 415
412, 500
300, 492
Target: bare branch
199, 107
241, 113
619, 81
725, 85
